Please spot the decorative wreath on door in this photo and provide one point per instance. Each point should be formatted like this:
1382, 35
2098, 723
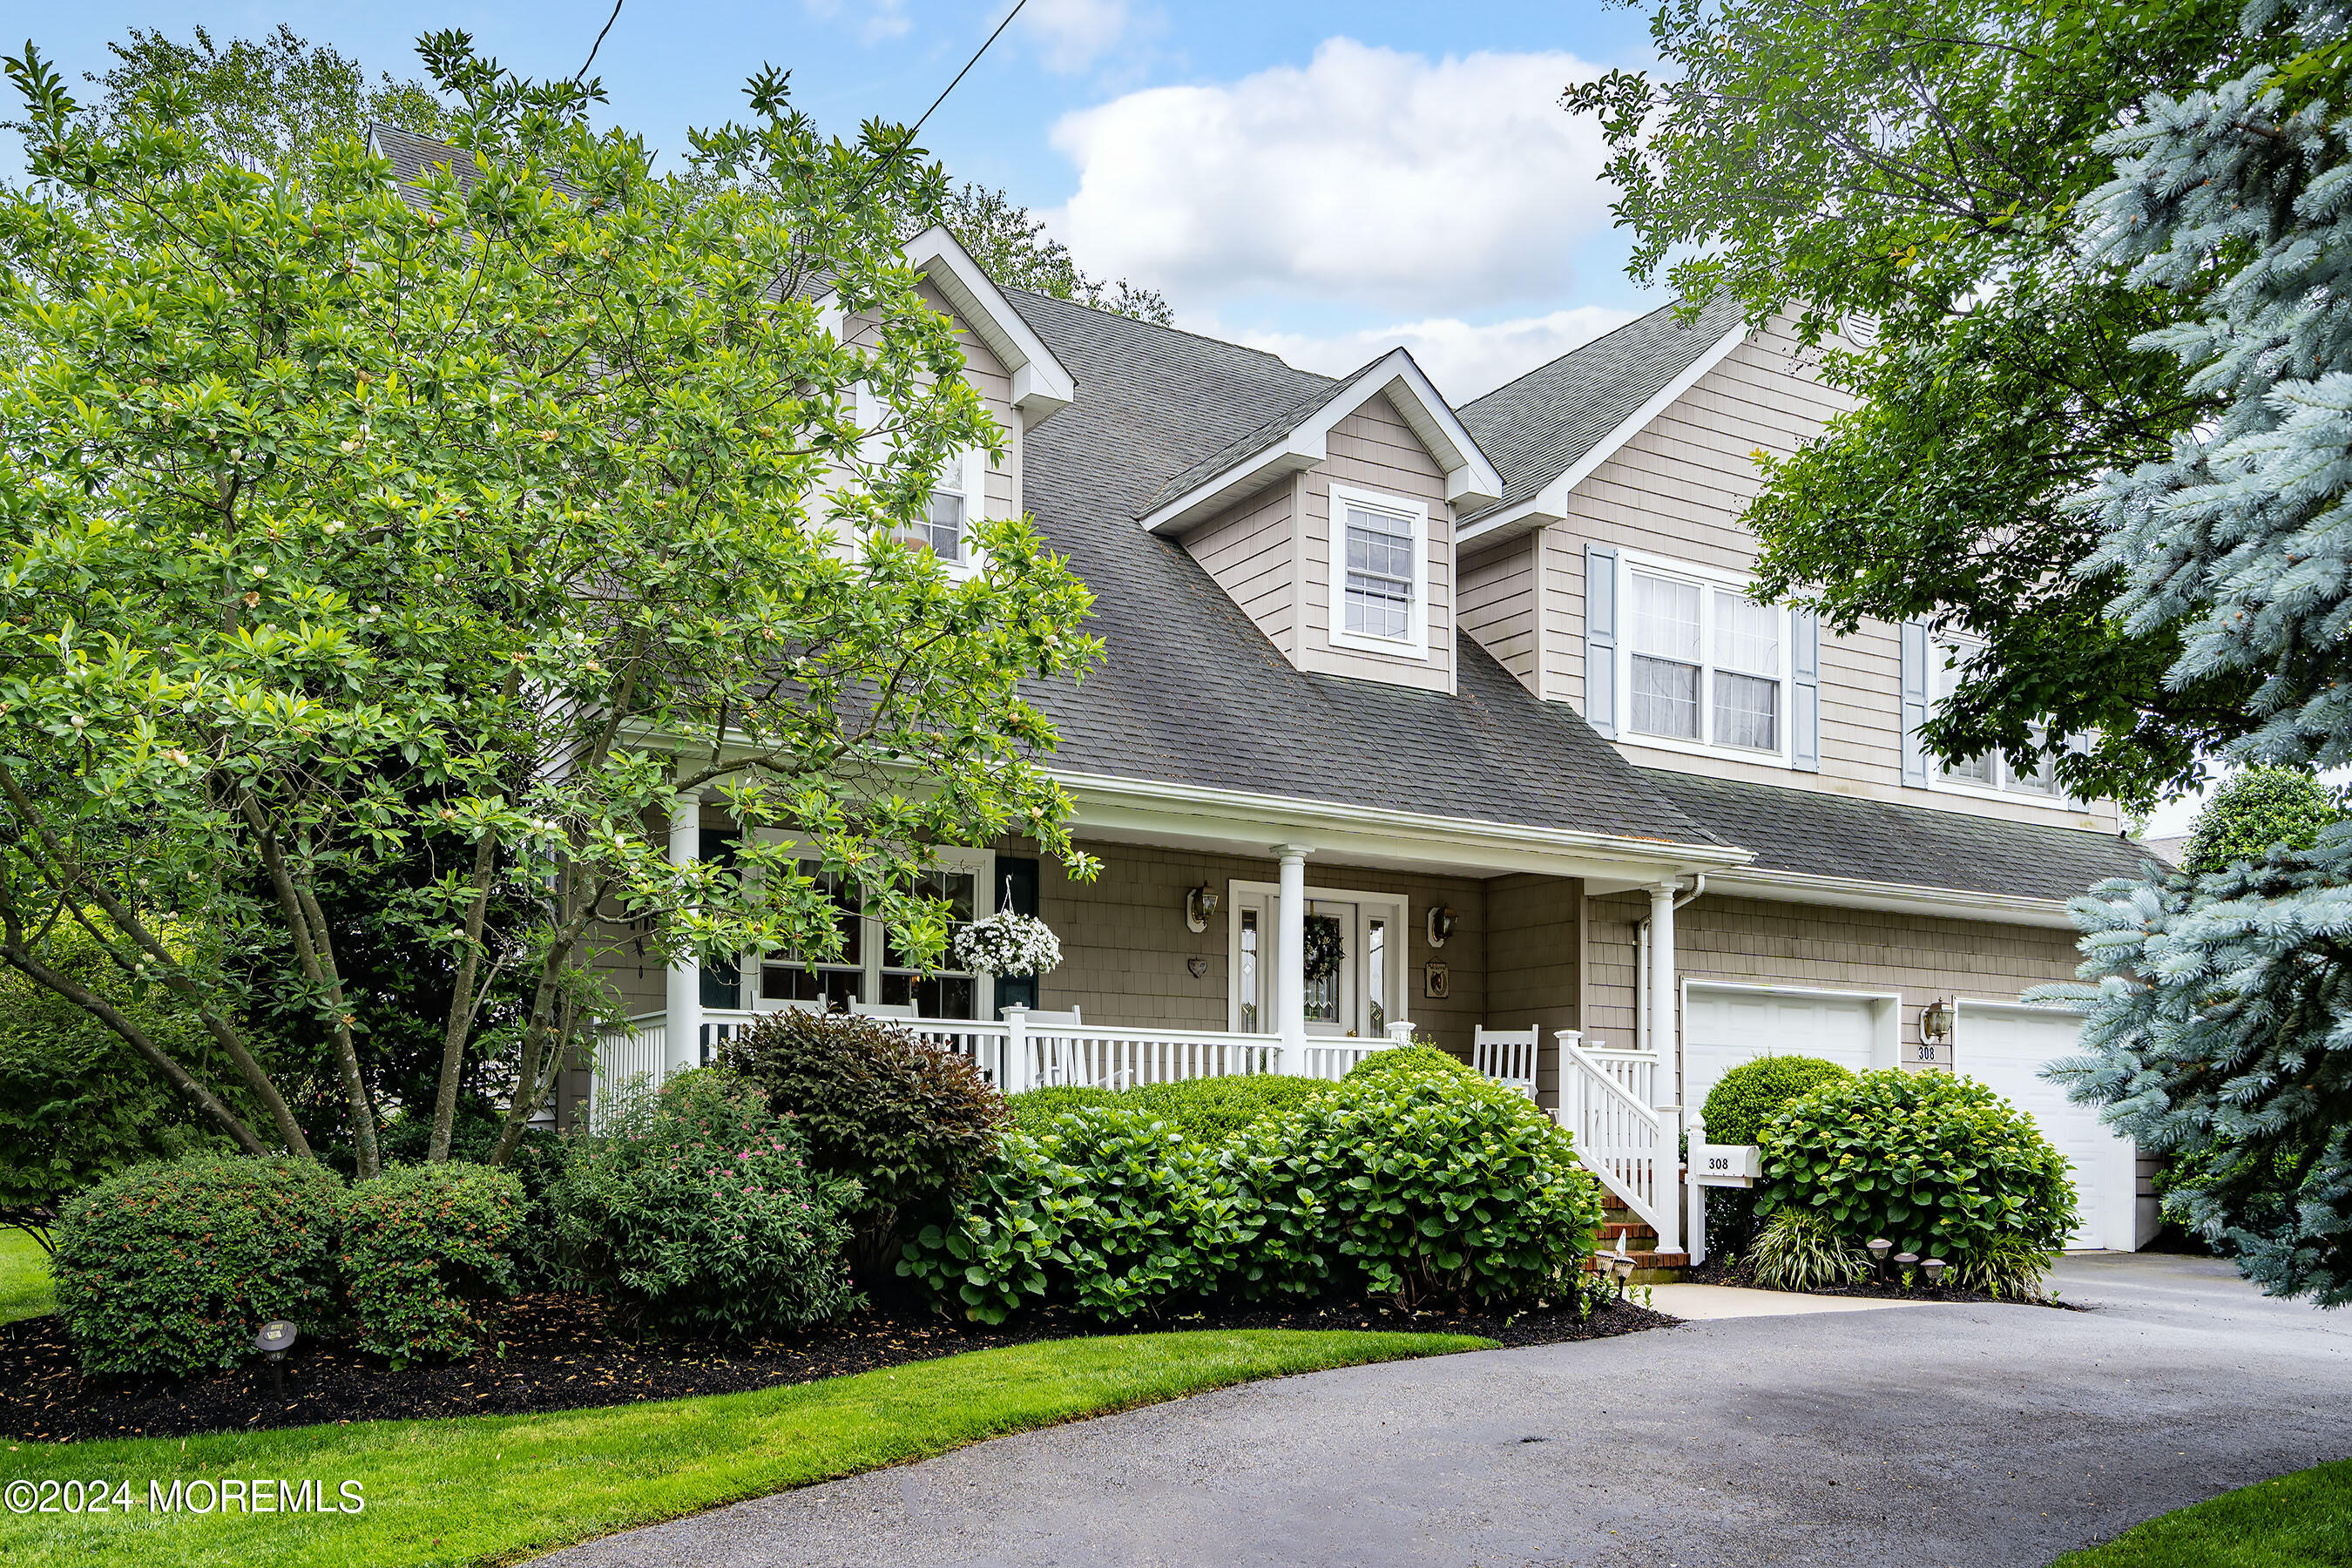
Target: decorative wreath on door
1325, 951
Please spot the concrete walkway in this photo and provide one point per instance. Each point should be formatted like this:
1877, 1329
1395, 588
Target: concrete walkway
1933, 1437
1704, 1303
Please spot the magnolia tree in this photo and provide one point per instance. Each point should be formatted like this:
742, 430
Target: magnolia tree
493, 520
2220, 1029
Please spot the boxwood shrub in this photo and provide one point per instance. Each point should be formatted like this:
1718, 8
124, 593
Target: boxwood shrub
694, 1208
1938, 1164
171, 1267
1736, 1112
1746, 1098
1418, 1187
423, 1246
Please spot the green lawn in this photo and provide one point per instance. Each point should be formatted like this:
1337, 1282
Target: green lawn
2302, 1521
24, 1277
500, 1488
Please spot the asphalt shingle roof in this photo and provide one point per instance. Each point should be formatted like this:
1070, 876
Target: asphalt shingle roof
1192, 691
1536, 429
1818, 834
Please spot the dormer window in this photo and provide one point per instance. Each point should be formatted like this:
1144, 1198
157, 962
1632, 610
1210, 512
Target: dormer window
946, 532
1380, 560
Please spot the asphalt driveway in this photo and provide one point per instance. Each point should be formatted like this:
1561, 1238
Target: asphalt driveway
1967, 1437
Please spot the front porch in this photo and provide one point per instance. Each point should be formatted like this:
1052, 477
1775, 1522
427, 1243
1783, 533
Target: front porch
1188, 957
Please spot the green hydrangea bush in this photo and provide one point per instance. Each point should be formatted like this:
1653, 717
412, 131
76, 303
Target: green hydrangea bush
1419, 1059
694, 1208
1415, 1187
422, 1246
1206, 1109
171, 1269
1938, 1164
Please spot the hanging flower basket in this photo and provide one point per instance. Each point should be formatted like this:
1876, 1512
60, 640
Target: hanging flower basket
1325, 951
1007, 943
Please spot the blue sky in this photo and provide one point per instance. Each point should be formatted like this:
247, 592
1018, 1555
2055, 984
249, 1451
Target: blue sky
1322, 180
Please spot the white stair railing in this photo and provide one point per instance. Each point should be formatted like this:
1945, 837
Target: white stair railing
1622, 1137
624, 1053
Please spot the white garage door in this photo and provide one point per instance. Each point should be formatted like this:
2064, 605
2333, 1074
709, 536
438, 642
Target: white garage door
1723, 1025
2006, 1047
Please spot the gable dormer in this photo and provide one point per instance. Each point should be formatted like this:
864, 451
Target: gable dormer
1331, 524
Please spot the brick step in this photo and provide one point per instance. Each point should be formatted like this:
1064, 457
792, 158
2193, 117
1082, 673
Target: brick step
1632, 1230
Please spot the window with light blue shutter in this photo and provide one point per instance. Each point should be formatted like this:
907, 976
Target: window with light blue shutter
1804, 691
1600, 639
1914, 702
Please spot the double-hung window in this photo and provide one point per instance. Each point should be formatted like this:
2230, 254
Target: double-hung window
870, 967
1380, 573
2035, 775
1704, 663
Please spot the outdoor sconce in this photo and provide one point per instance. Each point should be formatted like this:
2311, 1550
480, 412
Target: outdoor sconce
1935, 1022
275, 1338
1933, 1268
1441, 925
1200, 903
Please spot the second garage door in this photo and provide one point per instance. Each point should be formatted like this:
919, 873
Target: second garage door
2007, 1048
1723, 1025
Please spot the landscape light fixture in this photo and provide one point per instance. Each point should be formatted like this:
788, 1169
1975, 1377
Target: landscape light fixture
1903, 1263
275, 1338
1933, 1268
1200, 903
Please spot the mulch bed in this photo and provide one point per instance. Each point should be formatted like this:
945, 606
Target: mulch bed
560, 1353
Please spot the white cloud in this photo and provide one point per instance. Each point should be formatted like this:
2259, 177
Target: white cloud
876, 19
1370, 175
1071, 35
1463, 360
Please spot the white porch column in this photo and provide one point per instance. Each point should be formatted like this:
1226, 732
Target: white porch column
1290, 957
682, 1017
1666, 1044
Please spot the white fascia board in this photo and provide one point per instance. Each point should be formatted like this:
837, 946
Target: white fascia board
1040, 383
1155, 811
1470, 479
1897, 897
1550, 503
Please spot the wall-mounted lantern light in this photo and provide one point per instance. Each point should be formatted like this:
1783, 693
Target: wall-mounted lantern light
1200, 903
1441, 925
1936, 1021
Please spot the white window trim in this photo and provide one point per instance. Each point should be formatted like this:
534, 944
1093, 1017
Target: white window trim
1707, 578
1396, 907
970, 466
2056, 800
944, 857
1414, 644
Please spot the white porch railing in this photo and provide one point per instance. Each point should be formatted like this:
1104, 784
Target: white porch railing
1017, 1055
1622, 1135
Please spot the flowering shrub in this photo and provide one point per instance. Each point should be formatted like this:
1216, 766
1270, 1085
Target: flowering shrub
421, 1244
696, 1208
1420, 1058
1008, 944
1415, 1186
172, 1268
1936, 1164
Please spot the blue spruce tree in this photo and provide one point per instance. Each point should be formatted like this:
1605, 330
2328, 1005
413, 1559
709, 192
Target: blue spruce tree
2221, 1018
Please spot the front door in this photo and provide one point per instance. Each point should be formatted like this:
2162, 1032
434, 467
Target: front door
1353, 977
